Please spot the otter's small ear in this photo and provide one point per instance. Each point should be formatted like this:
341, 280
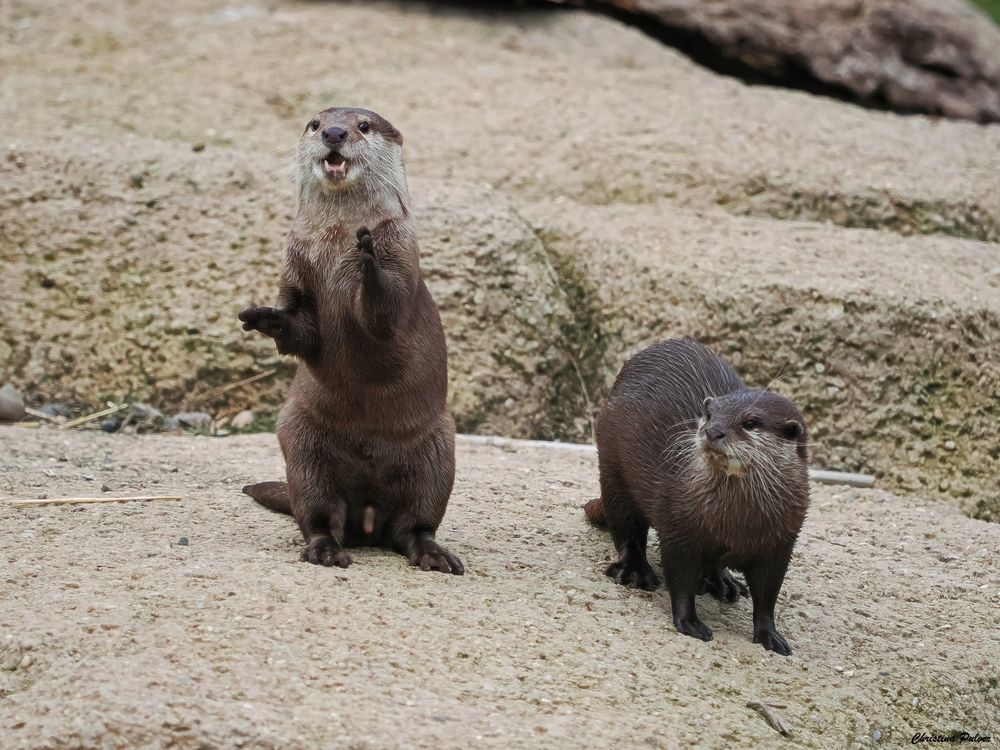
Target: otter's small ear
791, 430
707, 405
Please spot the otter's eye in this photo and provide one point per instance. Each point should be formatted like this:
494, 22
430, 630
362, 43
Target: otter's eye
792, 430
751, 424
314, 126
364, 127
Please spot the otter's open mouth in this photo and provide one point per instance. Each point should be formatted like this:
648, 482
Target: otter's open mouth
335, 166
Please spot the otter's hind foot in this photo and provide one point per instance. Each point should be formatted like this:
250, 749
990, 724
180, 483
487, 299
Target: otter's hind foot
429, 555
633, 570
322, 550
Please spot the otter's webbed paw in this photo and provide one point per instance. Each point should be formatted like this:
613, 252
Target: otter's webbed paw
322, 550
288, 332
686, 618
429, 555
366, 247
691, 625
724, 586
268, 320
772, 640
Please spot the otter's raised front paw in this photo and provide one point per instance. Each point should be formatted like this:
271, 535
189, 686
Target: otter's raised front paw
724, 586
268, 320
429, 555
633, 573
772, 640
326, 552
692, 626
366, 246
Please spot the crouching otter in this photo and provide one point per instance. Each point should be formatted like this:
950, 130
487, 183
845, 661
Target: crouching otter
720, 471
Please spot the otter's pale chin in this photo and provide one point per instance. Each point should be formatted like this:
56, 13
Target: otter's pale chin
721, 461
735, 468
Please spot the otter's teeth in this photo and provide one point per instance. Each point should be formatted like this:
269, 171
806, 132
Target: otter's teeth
335, 171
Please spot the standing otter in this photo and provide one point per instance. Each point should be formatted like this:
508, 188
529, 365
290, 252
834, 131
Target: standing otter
368, 442
718, 469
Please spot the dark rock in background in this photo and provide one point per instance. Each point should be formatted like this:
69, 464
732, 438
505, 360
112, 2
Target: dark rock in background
937, 57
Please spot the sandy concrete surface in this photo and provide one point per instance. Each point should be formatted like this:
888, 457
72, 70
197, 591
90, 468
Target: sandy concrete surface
113, 634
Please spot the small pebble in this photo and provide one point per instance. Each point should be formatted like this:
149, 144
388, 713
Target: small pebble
195, 419
243, 420
105, 488
876, 734
55, 410
183, 541
11, 404
198, 147
111, 425
145, 417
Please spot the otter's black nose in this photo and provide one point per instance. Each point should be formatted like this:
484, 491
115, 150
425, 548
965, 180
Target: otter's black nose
334, 136
714, 434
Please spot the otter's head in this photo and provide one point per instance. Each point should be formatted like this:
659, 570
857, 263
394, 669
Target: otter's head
352, 154
750, 431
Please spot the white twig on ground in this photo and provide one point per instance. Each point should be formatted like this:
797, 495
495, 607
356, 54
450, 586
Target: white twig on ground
91, 417
822, 476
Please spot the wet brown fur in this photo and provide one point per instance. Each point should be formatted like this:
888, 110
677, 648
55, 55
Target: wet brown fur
663, 464
368, 441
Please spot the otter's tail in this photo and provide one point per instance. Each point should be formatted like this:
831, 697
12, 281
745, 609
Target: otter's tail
594, 510
273, 495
